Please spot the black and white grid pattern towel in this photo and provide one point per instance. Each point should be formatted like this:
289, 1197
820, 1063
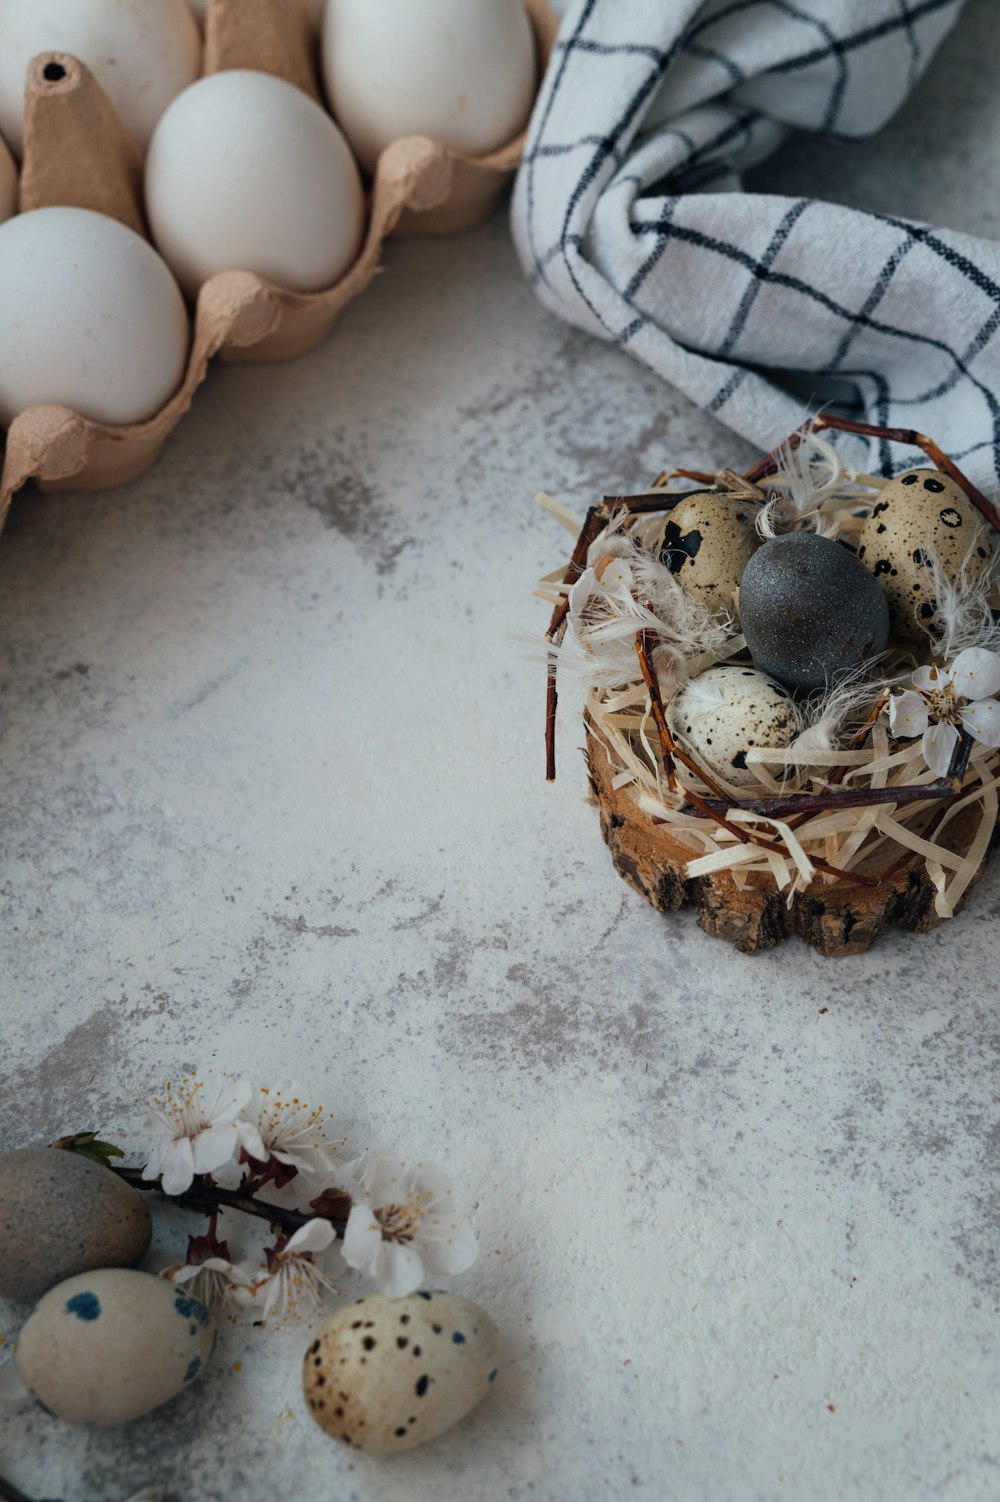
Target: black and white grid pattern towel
630, 220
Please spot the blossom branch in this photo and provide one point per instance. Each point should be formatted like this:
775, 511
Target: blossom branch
208, 1198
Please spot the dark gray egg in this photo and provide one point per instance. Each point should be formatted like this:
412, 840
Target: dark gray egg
810, 611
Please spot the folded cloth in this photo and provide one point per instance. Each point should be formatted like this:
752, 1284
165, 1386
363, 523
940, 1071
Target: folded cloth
630, 220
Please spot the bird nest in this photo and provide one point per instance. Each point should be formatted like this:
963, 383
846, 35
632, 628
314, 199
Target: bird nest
880, 808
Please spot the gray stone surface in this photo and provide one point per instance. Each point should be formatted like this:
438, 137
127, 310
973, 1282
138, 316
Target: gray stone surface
273, 799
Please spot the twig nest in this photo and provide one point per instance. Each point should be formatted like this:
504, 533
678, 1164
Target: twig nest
728, 711
810, 612
106, 1347
922, 519
387, 1374
706, 542
90, 318
62, 1214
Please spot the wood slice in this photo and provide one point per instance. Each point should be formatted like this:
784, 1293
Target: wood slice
836, 918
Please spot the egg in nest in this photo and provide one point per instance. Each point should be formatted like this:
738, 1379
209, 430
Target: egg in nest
921, 517
725, 712
706, 541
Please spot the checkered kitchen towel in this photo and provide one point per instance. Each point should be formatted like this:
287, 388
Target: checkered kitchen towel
630, 221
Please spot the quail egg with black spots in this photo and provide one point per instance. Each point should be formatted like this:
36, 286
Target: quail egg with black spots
706, 542
726, 712
919, 518
387, 1374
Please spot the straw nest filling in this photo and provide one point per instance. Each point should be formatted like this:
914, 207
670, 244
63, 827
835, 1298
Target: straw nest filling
816, 843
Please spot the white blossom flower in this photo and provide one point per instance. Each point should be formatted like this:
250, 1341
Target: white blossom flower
944, 699
198, 1132
402, 1225
208, 1275
282, 1125
290, 1284
209, 1282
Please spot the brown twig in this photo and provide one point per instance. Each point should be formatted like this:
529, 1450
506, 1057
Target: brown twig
772, 461
668, 749
206, 1198
716, 811
637, 505
784, 807
592, 525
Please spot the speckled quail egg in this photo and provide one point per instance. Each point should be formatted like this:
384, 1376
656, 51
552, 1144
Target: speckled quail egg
727, 711
387, 1374
706, 542
108, 1346
810, 611
918, 517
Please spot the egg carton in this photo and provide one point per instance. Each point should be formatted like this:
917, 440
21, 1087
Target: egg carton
78, 153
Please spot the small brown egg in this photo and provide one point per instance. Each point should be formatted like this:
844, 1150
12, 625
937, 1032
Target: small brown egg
918, 517
706, 542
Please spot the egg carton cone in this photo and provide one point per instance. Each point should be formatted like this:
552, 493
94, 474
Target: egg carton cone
77, 152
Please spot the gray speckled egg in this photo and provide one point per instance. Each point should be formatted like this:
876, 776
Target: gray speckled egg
727, 711
706, 542
62, 1214
108, 1346
920, 515
810, 611
387, 1374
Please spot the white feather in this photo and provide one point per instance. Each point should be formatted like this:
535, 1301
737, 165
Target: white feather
812, 483
829, 711
963, 602
611, 603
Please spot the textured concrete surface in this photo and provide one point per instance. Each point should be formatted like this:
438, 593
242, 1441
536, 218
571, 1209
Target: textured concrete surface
272, 798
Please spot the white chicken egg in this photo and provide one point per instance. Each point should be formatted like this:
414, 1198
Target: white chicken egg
90, 318
246, 173
462, 73
141, 54
8, 183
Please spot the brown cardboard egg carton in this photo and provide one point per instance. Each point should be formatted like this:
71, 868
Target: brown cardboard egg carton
77, 152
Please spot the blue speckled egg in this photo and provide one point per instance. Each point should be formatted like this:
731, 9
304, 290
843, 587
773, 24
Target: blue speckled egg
810, 611
108, 1346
